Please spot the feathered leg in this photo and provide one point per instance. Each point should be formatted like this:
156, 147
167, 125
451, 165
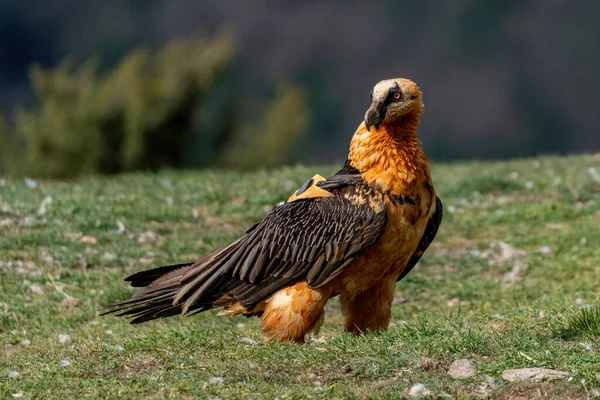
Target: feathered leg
293, 312
370, 310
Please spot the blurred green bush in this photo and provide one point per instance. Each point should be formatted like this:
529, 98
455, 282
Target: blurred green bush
269, 141
146, 113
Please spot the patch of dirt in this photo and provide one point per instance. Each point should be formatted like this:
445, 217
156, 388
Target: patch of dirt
137, 364
455, 246
140, 365
5, 222
429, 364
503, 254
545, 391
333, 373
27, 268
397, 378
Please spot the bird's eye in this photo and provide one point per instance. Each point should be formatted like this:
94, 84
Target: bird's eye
397, 96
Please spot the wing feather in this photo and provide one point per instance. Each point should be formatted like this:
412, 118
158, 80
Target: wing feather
430, 231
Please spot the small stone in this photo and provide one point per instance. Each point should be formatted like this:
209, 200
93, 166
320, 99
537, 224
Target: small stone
45, 205
88, 239
216, 379
533, 374
64, 338
456, 302
587, 346
529, 185
147, 237
582, 304
65, 363
25, 342
247, 340
545, 250
419, 390
476, 253
5, 221
109, 256
30, 183
120, 227
169, 201
36, 289
462, 369
17, 395
28, 221
13, 374
508, 253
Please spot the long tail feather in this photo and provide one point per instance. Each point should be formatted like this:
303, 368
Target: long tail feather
154, 298
169, 290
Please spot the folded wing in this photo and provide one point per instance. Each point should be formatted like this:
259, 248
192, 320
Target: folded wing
311, 239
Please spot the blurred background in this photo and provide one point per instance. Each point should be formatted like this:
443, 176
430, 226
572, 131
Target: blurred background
104, 87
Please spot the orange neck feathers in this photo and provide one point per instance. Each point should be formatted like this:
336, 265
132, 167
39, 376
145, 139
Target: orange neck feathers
392, 156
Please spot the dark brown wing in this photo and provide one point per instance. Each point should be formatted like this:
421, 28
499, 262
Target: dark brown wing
428, 236
309, 239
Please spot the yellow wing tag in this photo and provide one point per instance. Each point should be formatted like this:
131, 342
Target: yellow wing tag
310, 190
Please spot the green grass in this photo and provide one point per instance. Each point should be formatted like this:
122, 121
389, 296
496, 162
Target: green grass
531, 302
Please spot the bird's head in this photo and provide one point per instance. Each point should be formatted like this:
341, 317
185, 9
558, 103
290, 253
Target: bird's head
391, 100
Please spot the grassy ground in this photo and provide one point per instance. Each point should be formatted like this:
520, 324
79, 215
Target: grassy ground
512, 281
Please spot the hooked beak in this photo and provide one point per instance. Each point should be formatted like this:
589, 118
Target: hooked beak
373, 117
